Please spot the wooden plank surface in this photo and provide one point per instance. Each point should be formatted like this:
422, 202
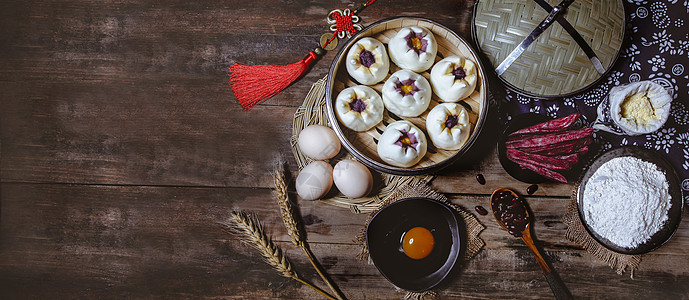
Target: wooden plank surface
97, 240
122, 149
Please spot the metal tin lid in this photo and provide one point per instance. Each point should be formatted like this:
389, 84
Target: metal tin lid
555, 65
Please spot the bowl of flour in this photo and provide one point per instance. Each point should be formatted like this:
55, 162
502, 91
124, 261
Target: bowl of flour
630, 200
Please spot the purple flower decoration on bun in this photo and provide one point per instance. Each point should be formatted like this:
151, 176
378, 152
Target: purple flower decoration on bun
406, 87
416, 42
407, 139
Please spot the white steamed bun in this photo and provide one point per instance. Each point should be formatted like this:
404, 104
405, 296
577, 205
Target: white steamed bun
402, 144
406, 93
454, 78
448, 126
413, 48
359, 108
367, 61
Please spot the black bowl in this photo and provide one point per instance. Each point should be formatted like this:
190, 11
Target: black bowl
384, 235
524, 175
512, 168
674, 213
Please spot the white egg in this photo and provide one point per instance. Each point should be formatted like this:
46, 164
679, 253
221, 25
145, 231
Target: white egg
352, 178
314, 180
318, 142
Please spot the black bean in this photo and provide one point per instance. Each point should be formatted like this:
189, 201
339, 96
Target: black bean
532, 189
480, 210
481, 179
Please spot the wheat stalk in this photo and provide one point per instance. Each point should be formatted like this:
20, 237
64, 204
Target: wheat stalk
295, 228
254, 236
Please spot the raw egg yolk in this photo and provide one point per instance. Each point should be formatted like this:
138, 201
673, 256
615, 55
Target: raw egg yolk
418, 242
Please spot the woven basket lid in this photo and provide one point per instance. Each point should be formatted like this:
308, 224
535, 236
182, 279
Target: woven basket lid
554, 65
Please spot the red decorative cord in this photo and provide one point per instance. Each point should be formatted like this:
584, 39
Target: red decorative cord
344, 23
254, 84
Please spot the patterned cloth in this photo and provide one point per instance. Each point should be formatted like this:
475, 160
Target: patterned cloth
657, 50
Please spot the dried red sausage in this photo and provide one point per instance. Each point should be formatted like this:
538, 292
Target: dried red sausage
538, 160
565, 147
550, 126
548, 139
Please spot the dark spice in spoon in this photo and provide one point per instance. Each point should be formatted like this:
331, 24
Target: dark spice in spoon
511, 211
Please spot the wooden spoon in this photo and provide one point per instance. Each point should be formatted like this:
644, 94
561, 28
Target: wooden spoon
556, 285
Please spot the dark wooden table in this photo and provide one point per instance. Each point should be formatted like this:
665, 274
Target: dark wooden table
122, 148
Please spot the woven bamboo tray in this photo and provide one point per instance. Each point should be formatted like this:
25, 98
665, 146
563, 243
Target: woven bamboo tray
363, 145
313, 111
554, 65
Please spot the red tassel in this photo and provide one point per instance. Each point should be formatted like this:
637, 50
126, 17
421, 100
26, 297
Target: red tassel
254, 84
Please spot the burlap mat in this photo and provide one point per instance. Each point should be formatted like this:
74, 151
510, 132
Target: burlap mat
577, 233
474, 243
313, 111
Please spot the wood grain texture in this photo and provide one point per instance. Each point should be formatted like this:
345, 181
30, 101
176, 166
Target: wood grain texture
136, 92
122, 149
95, 241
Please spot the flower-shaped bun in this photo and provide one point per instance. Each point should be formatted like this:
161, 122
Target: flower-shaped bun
367, 61
402, 144
413, 48
454, 78
448, 126
359, 108
406, 93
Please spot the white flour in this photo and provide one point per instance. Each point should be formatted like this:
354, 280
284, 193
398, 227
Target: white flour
626, 201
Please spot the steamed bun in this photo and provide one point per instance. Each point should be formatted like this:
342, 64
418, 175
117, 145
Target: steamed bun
448, 126
454, 78
413, 48
406, 93
402, 144
367, 61
359, 108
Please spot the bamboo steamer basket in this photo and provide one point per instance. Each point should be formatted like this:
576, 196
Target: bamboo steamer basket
363, 145
554, 65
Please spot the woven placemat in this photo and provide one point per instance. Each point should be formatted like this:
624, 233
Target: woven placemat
577, 233
313, 111
474, 243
